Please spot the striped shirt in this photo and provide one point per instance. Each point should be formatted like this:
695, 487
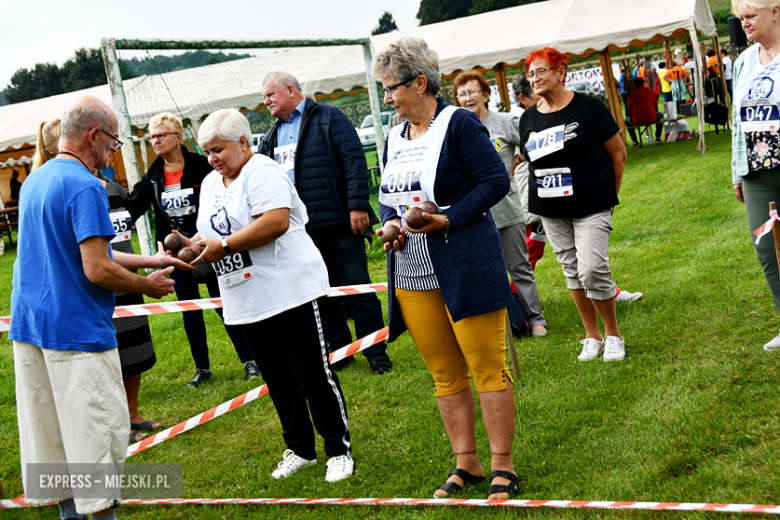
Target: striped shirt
413, 267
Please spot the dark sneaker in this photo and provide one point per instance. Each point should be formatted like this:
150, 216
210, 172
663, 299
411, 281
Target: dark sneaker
251, 370
380, 363
338, 366
199, 377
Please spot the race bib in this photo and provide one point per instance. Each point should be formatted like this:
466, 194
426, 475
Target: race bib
545, 142
554, 182
234, 269
401, 184
123, 225
285, 156
759, 115
179, 202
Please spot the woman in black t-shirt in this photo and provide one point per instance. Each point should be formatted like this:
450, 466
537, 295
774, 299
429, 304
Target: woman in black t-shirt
576, 159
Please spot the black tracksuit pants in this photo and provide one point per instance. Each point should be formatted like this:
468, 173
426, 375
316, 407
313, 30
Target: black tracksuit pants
292, 354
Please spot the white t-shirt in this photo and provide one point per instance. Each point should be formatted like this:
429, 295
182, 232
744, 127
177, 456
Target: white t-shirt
275, 277
727, 65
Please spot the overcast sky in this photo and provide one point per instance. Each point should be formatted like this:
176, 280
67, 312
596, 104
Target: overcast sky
51, 30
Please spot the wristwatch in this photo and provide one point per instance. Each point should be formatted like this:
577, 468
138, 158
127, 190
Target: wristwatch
225, 246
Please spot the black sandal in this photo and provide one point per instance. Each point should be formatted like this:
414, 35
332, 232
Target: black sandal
510, 488
451, 487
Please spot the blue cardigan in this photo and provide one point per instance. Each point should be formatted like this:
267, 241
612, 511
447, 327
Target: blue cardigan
471, 178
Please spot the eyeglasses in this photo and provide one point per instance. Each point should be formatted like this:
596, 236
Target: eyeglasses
118, 144
160, 136
389, 90
539, 72
470, 93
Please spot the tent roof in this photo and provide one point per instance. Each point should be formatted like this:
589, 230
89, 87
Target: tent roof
578, 27
199, 91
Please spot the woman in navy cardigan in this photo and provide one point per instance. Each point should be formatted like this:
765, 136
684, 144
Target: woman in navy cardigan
448, 280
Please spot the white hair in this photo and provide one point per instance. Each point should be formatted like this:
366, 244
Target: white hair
82, 115
282, 79
227, 124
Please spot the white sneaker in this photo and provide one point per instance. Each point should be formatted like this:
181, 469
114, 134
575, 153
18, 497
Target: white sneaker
773, 345
626, 296
614, 349
339, 468
591, 348
290, 464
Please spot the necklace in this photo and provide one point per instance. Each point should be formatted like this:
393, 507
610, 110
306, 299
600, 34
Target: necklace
77, 157
406, 134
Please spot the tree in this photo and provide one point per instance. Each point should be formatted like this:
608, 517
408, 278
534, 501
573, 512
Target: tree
42, 81
432, 11
386, 25
84, 70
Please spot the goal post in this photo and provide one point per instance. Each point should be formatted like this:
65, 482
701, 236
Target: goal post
193, 79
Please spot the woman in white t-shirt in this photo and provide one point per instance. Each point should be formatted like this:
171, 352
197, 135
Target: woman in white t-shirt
251, 227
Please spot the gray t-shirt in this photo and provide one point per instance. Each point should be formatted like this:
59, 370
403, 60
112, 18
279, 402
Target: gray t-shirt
504, 132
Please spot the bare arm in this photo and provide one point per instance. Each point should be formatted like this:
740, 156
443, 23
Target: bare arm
265, 229
158, 261
101, 271
617, 153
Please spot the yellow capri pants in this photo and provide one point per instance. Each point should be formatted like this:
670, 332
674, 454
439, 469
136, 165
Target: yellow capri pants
452, 349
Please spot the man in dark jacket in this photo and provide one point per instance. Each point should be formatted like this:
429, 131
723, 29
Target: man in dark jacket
320, 150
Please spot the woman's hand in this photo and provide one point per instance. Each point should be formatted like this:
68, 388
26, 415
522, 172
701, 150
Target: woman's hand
165, 258
210, 251
399, 242
739, 193
435, 223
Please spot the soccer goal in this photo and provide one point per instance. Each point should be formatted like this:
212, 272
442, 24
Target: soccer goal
193, 79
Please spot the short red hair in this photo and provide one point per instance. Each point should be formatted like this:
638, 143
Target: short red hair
553, 57
471, 75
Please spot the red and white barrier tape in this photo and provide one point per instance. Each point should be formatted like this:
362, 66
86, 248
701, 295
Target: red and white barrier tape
576, 504
766, 227
208, 303
357, 346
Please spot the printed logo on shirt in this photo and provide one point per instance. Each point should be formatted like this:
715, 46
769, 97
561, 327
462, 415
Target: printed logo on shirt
220, 222
762, 88
497, 144
569, 131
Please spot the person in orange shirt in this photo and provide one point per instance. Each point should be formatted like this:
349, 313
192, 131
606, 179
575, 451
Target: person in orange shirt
712, 63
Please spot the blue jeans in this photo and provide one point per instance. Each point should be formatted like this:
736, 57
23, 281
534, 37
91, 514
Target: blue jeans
187, 289
345, 257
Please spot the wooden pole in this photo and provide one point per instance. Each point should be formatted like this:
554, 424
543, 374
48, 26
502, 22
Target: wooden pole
668, 55
510, 341
503, 90
716, 48
775, 233
612, 92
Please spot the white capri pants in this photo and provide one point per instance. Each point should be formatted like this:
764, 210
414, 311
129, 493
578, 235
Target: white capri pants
71, 408
581, 245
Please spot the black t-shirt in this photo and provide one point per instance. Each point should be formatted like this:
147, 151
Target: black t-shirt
585, 124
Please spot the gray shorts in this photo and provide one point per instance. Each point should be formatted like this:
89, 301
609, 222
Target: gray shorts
581, 245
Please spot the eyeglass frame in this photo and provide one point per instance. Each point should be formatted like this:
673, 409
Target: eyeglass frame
151, 137
470, 93
389, 90
119, 143
537, 72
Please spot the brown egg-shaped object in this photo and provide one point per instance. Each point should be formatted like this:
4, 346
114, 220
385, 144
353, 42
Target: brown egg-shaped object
429, 207
186, 254
414, 218
173, 243
391, 234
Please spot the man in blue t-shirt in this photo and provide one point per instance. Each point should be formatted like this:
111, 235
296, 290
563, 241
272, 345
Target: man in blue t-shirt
71, 403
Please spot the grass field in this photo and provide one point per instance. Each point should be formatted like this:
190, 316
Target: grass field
690, 415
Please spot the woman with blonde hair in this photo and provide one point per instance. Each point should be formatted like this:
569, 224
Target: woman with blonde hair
172, 187
47, 146
755, 163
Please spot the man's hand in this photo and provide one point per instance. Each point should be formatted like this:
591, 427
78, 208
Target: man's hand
163, 259
435, 223
739, 193
359, 220
159, 285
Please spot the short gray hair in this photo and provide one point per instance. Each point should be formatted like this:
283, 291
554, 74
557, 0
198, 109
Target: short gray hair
282, 79
82, 115
227, 124
521, 85
408, 58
